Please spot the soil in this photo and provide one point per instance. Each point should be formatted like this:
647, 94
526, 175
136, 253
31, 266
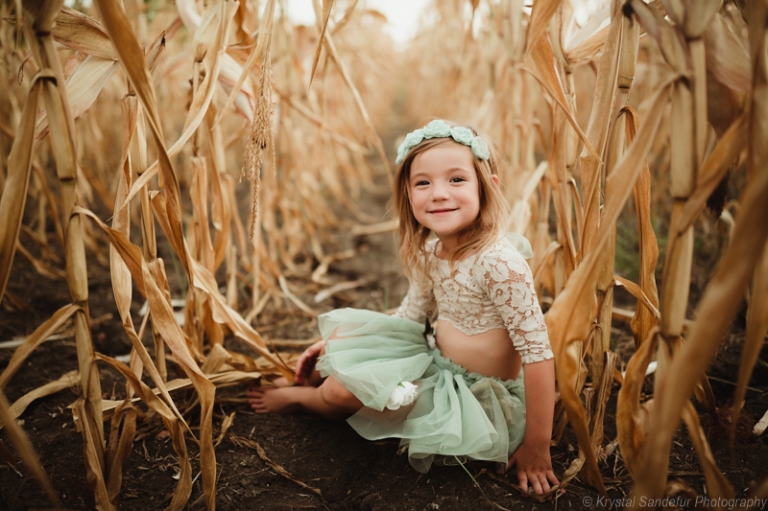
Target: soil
330, 467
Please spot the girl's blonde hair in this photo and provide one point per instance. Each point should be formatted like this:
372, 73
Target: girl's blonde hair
490, 222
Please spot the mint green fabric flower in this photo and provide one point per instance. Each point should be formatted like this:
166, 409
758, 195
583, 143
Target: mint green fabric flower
413, 138
480, 148
462, 135
401, 152
437, 129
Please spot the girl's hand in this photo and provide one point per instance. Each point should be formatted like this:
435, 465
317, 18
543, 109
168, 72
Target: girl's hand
307, 361
534, 467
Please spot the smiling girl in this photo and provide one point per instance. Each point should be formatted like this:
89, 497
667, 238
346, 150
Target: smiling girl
481, 384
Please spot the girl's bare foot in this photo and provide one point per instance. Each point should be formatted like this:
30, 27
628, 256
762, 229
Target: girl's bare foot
331, 400
279, 399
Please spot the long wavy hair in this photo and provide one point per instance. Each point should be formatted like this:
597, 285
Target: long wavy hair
490, 221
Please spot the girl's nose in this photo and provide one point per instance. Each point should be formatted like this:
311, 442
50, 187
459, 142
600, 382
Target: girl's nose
439, 192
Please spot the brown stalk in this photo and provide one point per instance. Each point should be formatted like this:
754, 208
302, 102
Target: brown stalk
718, 486
598, 130
686, 121
93, 457
327, 6
62, 144
725, 153
371, 130
541, 14
202, 247
569, 318
16, 187
163, 317
670, 41
221, 202
120, 444
194, 117
131, 255
723, 294
757, 326
540, 63
632, 417
602, 394
132, 58
138, 150
172, 422
676, 279
223, 314
613, 139
645, 318
563, 202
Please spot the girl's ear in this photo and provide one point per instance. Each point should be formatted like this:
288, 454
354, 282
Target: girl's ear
495, 179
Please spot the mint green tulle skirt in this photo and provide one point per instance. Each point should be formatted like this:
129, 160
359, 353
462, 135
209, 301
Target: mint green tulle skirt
456, 413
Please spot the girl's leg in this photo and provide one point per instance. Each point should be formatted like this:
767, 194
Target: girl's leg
330, 399
309, 393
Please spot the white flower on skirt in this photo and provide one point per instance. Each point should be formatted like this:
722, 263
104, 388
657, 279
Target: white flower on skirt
404, 394
431, 341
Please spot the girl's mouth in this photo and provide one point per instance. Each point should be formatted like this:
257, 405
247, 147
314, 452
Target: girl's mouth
439, 211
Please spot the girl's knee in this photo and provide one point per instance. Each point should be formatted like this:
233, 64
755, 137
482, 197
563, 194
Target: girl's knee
339, 397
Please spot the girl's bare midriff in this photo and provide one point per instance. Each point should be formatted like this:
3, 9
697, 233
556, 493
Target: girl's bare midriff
490, 353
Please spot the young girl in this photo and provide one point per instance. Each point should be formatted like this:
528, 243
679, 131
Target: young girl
461, 390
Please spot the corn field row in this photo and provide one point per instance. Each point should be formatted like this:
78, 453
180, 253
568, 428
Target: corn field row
640, 105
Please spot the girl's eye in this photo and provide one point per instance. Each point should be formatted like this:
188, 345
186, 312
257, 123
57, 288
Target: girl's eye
457, 179
421, 183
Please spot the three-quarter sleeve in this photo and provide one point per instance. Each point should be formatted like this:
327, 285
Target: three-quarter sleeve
417, 305
509, 283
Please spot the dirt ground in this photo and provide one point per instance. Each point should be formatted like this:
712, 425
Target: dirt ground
328, 465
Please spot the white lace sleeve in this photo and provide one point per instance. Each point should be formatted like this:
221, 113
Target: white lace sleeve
509, 282
417, 305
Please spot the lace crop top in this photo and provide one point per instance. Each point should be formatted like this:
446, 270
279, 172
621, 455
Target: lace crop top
492, 289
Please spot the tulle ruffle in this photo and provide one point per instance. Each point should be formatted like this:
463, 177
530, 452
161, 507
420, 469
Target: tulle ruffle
456, 413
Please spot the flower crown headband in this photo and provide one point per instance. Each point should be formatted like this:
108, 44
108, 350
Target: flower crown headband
440, 129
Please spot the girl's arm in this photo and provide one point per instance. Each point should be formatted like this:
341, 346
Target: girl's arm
417, 305
509, 281
532, 460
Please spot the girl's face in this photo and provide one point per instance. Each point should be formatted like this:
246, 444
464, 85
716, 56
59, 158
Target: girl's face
444, 191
